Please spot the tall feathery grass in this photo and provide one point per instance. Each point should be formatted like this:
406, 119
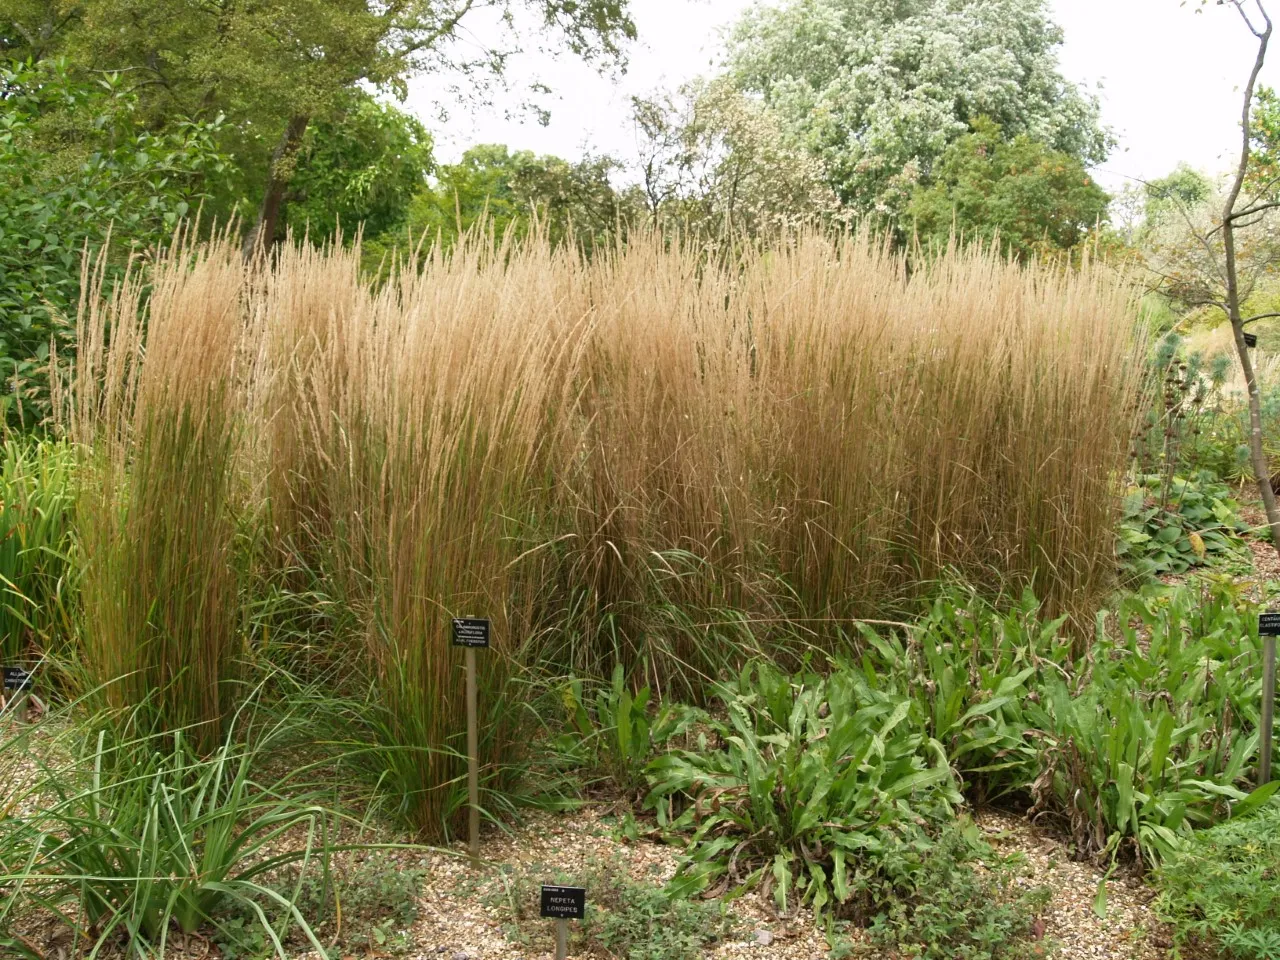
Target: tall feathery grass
653, 458
157, 411
971, 416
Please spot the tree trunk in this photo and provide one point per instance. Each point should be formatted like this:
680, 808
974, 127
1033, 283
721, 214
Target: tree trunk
260, 238
1257, 454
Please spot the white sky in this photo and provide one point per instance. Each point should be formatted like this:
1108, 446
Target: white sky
1169, 82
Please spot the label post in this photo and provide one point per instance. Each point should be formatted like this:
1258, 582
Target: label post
472, 634
1268, 630
473, 761
563, 904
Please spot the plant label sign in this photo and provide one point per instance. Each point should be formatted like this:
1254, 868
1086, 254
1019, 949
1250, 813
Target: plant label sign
1269, 625
15, 678
564, 903
470, 632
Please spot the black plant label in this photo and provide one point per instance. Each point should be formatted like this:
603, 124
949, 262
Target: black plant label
564, 903
470, 632
17, 679
1269, 625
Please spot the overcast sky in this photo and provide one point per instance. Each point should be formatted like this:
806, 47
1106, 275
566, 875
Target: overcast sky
1169, 82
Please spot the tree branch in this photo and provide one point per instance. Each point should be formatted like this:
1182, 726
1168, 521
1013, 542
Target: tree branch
1261, 34
1256, 208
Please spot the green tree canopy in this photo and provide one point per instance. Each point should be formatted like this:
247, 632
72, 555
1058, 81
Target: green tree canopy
1035, 199
878, 90
1264, 130
508, 190
1183, 189
77, 165
274, 67
362, 167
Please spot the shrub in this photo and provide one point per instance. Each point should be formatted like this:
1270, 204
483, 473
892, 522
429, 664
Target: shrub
814, 778
1148, 733
79, 168
974, 668
1161, 737
1182, 427
1219, 889
619, 735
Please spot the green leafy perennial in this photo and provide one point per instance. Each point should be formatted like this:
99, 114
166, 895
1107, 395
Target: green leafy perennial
813, 776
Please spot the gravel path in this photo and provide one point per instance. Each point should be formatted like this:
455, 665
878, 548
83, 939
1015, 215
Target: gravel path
464, 911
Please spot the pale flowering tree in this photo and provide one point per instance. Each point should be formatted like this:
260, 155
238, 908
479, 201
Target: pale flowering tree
876, 90
713, 157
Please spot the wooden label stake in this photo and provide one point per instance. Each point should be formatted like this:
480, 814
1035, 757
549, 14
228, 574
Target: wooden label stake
473, 634
1268, 629
563, 904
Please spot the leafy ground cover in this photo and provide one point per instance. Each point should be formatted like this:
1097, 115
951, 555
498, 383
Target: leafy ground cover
1171, 524
831, 798
1220, 890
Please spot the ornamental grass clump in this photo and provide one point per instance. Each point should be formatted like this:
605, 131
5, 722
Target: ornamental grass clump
460, 366
968, 415
155, 406
127, 841
657, 458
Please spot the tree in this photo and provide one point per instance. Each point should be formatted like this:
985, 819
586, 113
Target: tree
714, 158
77, 167
1235, 217
1181, 246
1264, 137
1166, 197
508, 191
877, 90
1037, 200
274, 68
362, 168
